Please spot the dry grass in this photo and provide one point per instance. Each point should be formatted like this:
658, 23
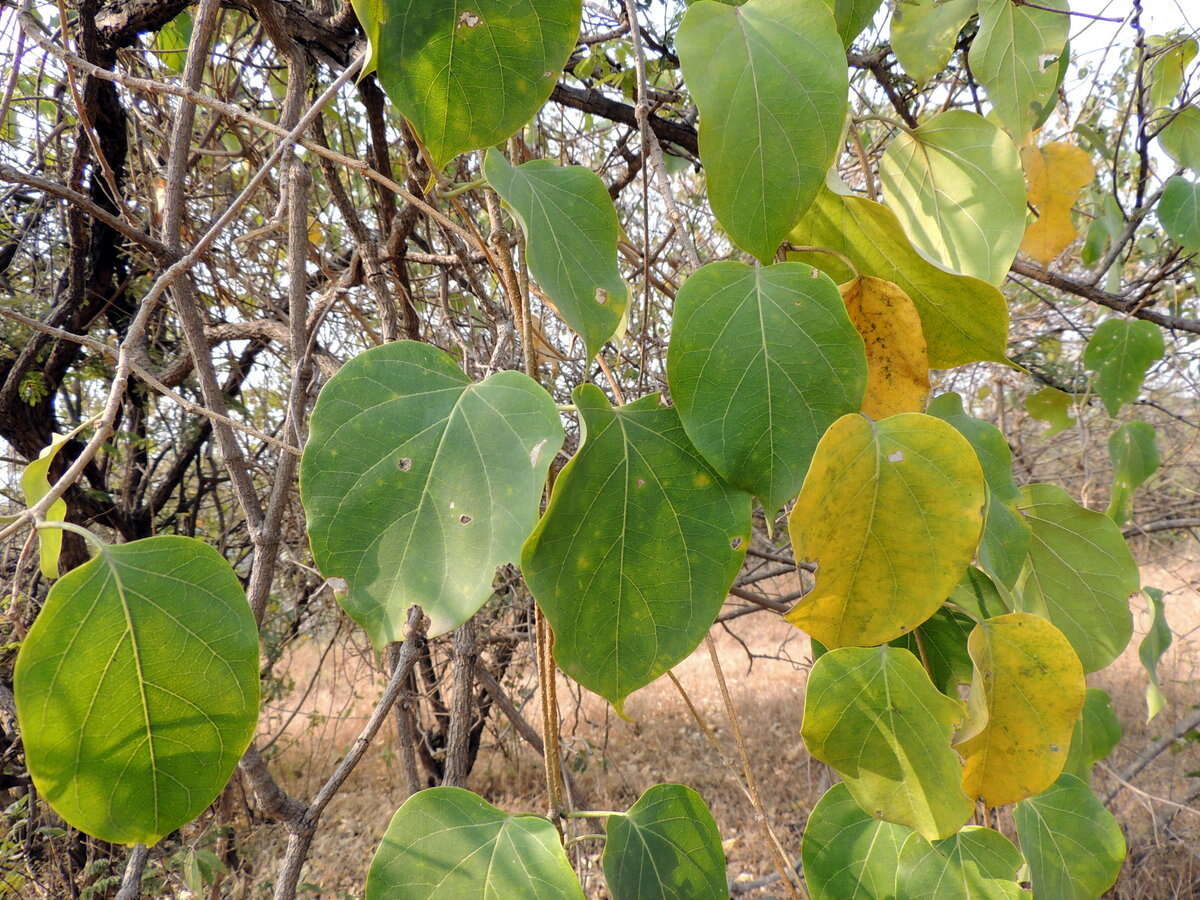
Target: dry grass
613, 760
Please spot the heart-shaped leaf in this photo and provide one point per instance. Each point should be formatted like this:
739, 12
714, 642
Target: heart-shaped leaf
1080, 576
891, 513
571, 228
875, 717
974, 864
1179, 212
762, 360
1027, 693
769, 79
1120, 352
446, 843
137, 688
848, 853
666, 847
1073, 845
1134, 454
637, 549
418, 483
963, 319
924, 33
468, 73
955, 184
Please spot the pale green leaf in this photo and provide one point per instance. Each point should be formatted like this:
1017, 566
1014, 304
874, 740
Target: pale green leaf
1016, 56
1164, 75
469, 75
171, 41
1150, 651
1052, 406
572, 230
35, 484
666, 847
1134, 454
891, 512
1179, 212
418, 483
964, 319
137, 688
848, 853
974, 864
853, 16
874, 716
446, 843
637, 549
762, 361
1181, 138
956, 185
1073, 845
770, 81
1120, 352
1080, 574
924, 33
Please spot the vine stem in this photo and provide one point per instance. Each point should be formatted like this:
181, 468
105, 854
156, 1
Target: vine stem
781, 863
131, 880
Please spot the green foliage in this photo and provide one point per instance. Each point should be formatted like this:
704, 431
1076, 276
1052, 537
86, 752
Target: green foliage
1134, 454
1156, 642
1073, 845
1096, 734
637, 548
762, 361
770, 83
666, 847
955, 183
468, 77
924, 33
898, 765
1120, 352
1181, 138
137, 688
1179, 212
848, 853
572, 230
974, 864
35, 484
446, 843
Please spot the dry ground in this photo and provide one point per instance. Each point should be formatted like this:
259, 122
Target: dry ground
613, 761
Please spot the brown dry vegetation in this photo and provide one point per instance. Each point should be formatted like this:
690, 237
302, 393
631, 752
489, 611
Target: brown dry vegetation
765, 661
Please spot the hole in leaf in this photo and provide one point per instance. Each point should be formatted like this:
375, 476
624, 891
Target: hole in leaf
468, 19
464, 519
897, 456
536, 452
404, 464
641, 482
735, 543
601, 295
1054, 748
814, 273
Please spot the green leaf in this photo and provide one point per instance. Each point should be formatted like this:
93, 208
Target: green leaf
35, 484
853, 16
769, 79
1097, 732
1179, 212
1006, 536
941, 642
1151, 650
891, 513
1073, 845
1080, 574
666, 847
1181, 138
956, 185
172, 40
1026, 695
762, 361
371, 15
571, 228
137, 688
1165, 74
418, 482
924, 33
1134, 454
637, 549
876, 718
1120, 352
446, 843
964, 319
468, 76
979, 597
1016, 56
974, 864
1053, 406
848, 853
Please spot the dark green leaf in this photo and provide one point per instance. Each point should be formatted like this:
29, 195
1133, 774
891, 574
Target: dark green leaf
848, 853
1119, 352
1096, 734
1179, 212
1134, 454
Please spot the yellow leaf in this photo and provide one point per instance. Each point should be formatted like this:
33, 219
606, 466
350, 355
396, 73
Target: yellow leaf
1027, 692
35, 484
1056, 173
891, 512
897, 361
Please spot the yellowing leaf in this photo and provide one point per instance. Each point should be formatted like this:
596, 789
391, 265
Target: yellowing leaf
1056, 173
1027, 693
35, 484
891, 512
897, 361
